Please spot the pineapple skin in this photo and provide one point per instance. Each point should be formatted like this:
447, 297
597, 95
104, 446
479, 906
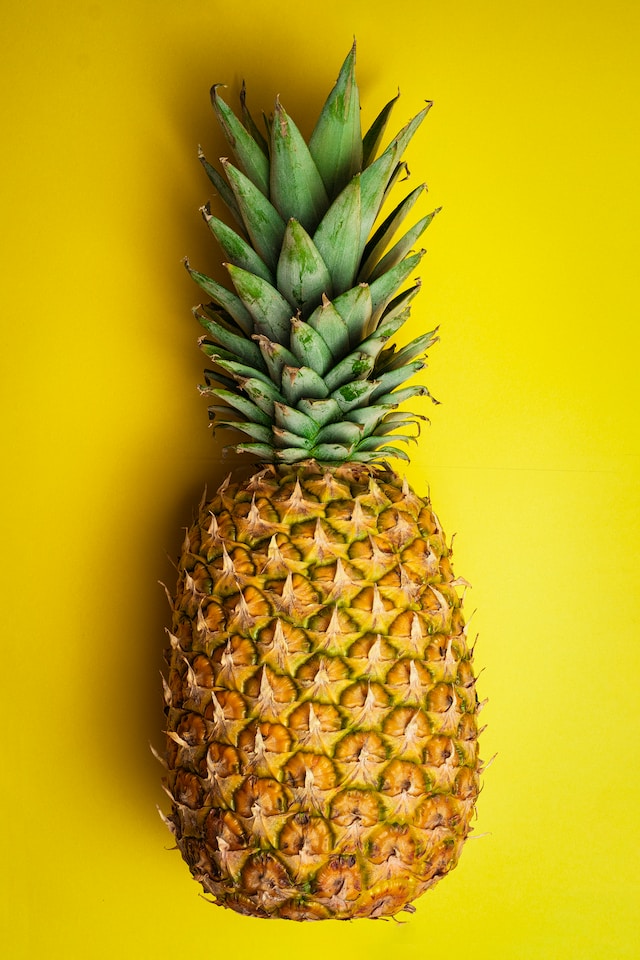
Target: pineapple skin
321, 710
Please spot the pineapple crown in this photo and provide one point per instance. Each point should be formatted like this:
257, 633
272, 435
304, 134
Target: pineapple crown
302, 361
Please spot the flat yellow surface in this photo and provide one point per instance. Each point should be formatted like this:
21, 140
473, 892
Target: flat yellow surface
532, 148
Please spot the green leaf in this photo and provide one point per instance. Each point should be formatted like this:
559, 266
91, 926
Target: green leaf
374, 134
292, 454
373, 184
402, 357
295, 421
302, 273
297, 189
338, 236
368, 417
249, 155
357, 366
399, 172
326, 321
401, 248
235, 248
355, 308
393, 378
374, 343
331, 452
262, 393
223, 189
386, 328
214, 377
399, 309
322, 411
390, 452
244, 406
383, 289
398, 420
399, 396
214, 312
264, 224
375, 443
336, 144
404, 137
354, 394
247, 120
309, 347
256, 431
263, 451
240, 347
213, 351
284, 439
342, 432
224, 298
382, 237
269, 309
241, 371
375, 179
299, 382
275, 356
218, 353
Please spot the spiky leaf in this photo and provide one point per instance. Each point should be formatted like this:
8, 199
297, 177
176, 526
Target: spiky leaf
248, 153
297, 189
294, 420
303, 354
355, 308
336, 143
275, 356
236, 249
223, 189
270, 311
309, 347
357, 366
286, 439
238, 346
322, 411
338, 237
373, 136
264, 224
343, 432
401, 248
299, 382
326, 321
229, 302
377, 245
302, 274
249, 124
254, 430
354, 394
383, 289
244, 406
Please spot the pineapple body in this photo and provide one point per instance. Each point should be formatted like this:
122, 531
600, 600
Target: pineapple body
321, 705
322, 757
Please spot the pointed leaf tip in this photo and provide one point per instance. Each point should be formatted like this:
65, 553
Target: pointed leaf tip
247, 152
336, 141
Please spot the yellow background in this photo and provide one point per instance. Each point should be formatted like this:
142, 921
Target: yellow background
532, 148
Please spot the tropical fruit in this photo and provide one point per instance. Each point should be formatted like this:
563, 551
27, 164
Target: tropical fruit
321, 710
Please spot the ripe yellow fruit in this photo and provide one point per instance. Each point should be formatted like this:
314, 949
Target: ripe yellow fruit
321, 704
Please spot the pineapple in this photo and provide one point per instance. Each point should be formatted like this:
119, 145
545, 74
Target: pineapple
322, 757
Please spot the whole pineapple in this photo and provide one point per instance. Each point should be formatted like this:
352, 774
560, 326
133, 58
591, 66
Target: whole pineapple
321, 706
